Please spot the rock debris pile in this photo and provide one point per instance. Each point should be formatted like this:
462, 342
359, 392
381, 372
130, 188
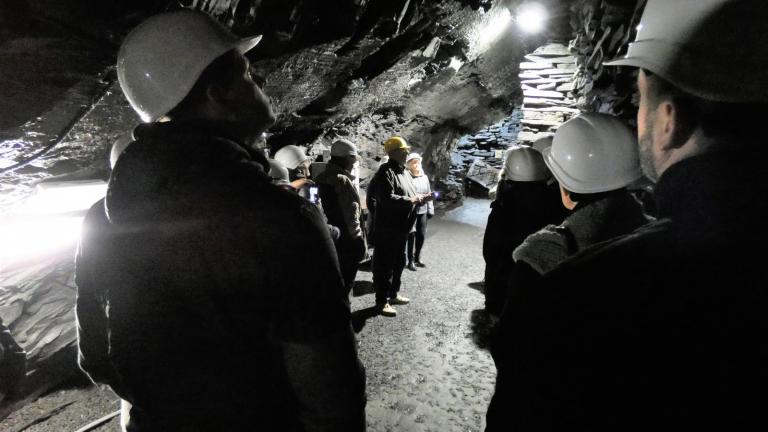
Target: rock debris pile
603, 31
547, 80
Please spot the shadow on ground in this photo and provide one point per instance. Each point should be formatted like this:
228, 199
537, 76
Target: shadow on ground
479, 286
359, 317
362, 288
481, 324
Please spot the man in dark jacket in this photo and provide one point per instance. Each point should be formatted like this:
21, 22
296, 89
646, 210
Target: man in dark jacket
666, 326
186, 307
395, 201
341, 203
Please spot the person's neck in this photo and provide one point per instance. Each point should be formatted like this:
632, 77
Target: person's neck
696, 144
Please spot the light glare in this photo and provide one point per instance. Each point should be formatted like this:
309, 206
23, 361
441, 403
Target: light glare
495, 27
531, 17
64, 197
47, 223
456, 64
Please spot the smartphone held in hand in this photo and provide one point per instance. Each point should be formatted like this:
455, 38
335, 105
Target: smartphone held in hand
313, 194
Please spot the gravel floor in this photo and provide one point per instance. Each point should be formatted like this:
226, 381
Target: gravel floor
424, 370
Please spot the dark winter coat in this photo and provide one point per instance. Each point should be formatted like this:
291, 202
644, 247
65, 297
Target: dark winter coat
520, 209
614, 214
186, 287
665, 327
341, 201
394, 210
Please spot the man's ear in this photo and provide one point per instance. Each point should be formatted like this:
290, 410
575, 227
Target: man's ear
216, 98
667, 125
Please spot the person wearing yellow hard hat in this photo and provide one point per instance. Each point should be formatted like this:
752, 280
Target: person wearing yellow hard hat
396, 200
186, 305
663, 327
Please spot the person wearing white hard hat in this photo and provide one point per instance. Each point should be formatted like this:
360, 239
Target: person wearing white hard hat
524, 204
118, 147
279, 175
186, 306
295, 159
396, 200
342, 206
665, 326
424, 211
594, 158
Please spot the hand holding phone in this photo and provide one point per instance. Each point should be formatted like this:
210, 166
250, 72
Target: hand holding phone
313, 194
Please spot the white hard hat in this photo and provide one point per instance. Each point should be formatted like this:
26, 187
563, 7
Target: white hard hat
524, 164
593, 153
291, 156
713, 49
278, 173
118, 147
413, 156
162, 58
542, 143
343, 148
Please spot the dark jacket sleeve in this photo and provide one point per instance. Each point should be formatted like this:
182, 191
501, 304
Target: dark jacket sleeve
90, 308
319, 348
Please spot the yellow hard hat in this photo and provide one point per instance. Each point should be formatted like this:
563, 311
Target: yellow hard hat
395, 143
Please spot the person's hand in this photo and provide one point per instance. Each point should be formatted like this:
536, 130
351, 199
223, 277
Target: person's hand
334, 231
416, 199
299, 183
430, 215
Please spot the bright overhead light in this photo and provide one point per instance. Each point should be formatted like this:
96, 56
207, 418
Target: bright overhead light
531, 17
494, 28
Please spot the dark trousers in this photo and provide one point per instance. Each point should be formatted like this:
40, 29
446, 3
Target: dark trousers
350, 252
417, 237
388, 263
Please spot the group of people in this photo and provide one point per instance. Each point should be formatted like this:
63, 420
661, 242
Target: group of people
404, 200
210, 299
534, 226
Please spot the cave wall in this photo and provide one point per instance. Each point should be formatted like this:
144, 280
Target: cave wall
604, 29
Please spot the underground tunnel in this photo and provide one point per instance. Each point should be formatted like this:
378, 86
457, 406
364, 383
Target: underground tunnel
465, 83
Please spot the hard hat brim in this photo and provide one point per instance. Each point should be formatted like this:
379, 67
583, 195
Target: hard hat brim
247, 44
621, 61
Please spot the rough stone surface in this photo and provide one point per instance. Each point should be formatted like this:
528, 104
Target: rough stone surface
603, 31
